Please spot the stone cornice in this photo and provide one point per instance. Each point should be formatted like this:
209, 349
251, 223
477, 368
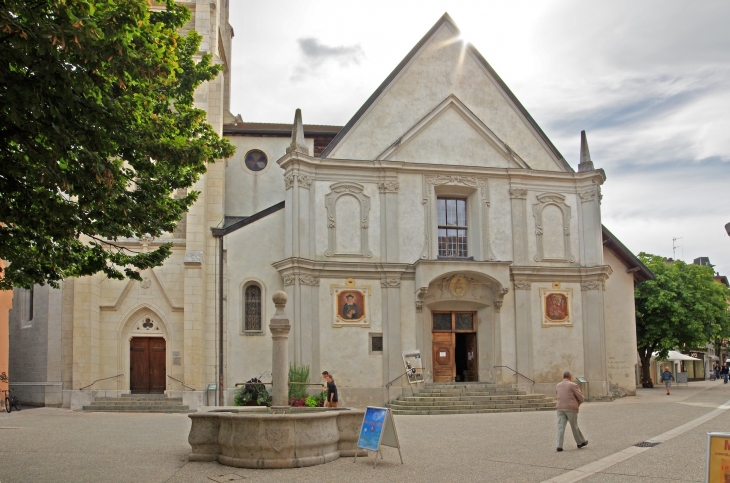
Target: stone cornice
560, 274
329, 167
303, 267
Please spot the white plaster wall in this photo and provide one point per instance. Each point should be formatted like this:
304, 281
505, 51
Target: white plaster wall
348, 231
408, 317
249, 192
250, 252
500, 219
450, 139
410, 218
442, 68
344, 350
556, 349
553, 238
620, 324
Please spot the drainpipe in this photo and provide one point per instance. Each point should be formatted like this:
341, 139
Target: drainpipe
220, 321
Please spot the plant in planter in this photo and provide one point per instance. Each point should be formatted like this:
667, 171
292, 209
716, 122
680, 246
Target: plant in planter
252, 394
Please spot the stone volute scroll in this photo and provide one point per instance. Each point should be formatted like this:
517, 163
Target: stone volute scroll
544, 201
353, 190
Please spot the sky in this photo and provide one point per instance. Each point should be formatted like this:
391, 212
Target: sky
649, 82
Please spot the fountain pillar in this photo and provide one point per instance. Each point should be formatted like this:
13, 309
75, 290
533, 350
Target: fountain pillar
280, 328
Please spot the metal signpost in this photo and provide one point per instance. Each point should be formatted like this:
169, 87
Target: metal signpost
718, 458
378, 429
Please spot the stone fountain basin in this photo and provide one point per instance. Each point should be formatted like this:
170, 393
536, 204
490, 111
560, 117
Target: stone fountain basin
301, 437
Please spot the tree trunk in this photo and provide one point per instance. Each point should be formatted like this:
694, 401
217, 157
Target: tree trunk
645, 357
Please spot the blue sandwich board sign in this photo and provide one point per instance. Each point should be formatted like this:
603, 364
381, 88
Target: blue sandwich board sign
378, 429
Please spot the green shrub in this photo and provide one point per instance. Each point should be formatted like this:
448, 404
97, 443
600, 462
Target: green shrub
298, 374
311, 402
252, 392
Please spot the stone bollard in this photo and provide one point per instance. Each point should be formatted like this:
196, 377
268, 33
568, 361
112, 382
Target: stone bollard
280, 327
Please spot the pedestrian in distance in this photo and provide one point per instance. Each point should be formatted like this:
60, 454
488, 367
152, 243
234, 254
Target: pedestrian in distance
569, 400
332, 399
724, 372
667, 378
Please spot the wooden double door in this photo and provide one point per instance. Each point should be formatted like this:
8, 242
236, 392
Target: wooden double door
147, 361
454, 338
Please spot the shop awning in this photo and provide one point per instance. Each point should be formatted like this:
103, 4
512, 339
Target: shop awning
678, 356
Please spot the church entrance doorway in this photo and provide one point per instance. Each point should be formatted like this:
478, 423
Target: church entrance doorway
454, 339
147, 370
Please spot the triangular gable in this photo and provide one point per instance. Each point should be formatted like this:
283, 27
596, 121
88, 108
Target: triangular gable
473, 136
456, 69
131, 284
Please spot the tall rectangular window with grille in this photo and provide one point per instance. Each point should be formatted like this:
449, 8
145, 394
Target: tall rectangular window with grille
452, 229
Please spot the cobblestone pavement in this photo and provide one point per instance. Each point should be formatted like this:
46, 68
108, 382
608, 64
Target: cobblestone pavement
57, 445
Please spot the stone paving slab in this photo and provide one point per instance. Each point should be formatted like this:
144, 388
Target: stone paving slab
52, 445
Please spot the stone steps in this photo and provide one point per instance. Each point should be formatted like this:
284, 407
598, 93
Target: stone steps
470, 398
138, 403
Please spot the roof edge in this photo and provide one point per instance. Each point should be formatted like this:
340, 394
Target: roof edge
248, 220
640, 271
445, 19
520, 107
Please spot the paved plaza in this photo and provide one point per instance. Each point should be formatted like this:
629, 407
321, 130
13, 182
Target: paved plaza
57, 445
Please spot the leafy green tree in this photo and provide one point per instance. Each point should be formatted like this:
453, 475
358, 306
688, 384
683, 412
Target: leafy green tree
97, 133
683, 307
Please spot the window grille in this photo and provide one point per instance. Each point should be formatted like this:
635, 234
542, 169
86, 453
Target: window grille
452, 227
376, 343
30, 304
252, 319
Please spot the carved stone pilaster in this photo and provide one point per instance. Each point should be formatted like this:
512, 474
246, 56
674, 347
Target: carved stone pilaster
390, 282
288, 181
309, 280
522, 285
289, 279
518, 193
420, 295
587, 196
388, 186
593, 285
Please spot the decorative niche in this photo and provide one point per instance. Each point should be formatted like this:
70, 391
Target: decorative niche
552, 228
348, 220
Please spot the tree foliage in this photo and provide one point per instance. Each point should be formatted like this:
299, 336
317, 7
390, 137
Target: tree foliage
682, 308
97, 132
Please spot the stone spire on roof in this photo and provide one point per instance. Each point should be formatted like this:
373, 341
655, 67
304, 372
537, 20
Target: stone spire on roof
585, 156
297, 135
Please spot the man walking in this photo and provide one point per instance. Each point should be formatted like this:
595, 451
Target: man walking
667, 377
724, 372
569, 400
332, 399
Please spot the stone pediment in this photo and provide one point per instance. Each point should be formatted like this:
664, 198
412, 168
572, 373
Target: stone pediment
149, 276
452, 134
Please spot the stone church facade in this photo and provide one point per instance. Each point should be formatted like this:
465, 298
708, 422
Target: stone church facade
440, 218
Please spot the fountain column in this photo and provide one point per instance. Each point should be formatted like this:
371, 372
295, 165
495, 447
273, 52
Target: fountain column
280, 328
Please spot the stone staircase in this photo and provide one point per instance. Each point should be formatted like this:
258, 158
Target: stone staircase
470, 398
138, 403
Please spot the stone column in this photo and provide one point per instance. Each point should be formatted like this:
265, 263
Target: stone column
280, 327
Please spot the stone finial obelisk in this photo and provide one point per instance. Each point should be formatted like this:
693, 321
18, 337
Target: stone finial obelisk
585, 156
280, 328
297, 135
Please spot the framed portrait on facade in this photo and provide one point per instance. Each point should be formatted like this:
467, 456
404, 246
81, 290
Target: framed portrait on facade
351, 307
556, 307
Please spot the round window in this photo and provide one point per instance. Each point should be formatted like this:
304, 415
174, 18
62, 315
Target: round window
256, 160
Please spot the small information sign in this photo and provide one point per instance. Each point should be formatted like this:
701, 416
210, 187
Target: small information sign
581, 379
681, 378
377, 429
414, 366
718, 458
